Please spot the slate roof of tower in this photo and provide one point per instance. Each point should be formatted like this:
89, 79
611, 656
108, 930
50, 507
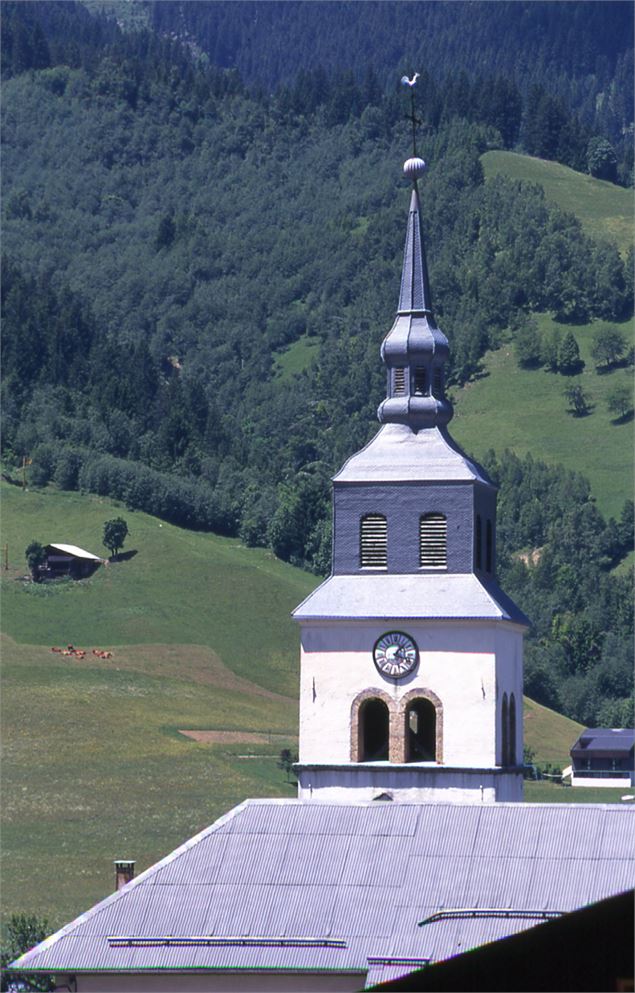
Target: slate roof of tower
414, 293
399, 454
282, 884
425, 596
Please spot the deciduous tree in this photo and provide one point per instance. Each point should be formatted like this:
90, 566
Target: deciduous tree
578, 400
619, 400
22, 932
608, 346
35, 557
115, 533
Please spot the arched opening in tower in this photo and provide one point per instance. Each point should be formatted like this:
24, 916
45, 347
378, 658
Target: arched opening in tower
374, 732
505, 732
512, 730
421, 732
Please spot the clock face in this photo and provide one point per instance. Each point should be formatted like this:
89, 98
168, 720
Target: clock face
395, 654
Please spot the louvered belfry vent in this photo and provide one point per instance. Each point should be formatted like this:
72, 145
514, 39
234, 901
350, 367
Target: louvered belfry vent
433, 541
374, 542
399, 381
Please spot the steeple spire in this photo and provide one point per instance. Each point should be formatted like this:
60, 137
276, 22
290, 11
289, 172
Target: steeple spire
415, 350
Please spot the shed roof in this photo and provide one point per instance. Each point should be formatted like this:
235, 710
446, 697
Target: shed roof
74, 550
284, 884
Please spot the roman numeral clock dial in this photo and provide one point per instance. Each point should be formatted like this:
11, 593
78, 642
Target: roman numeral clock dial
395, 654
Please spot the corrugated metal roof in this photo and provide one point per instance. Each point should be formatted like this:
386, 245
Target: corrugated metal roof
443, 830
383, 970
617, 839
366, 874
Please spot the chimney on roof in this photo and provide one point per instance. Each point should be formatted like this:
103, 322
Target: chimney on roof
124, 872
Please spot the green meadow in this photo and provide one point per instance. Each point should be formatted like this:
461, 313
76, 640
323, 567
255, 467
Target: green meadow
543, 791
526, 410
296, 357
604, 209
95, 766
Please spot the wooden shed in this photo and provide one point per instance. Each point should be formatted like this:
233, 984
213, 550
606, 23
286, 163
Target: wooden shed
69, 560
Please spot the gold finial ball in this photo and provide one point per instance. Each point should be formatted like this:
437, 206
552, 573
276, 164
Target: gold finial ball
413, 168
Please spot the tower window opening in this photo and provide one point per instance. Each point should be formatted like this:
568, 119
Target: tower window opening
419, 381
505, 731
488, 547
374, 731
373, 542
512, 731
438, 381
421, 732
478, 541
433, 541
399, 381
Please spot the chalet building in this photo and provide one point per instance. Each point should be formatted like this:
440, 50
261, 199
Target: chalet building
408, 843
68, 560
604, 757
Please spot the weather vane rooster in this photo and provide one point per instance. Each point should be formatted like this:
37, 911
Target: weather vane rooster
412, 117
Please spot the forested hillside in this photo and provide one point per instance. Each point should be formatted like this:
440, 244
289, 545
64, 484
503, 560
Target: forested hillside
174, 235
579, 53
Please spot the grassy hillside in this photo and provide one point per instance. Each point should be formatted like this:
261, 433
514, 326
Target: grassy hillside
179, 587
296, 357
549, 734
604, 209
525, 410
96, 766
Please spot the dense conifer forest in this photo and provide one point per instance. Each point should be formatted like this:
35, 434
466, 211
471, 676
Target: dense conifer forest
190, 199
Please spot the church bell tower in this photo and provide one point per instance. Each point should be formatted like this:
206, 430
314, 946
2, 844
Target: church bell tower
411, 664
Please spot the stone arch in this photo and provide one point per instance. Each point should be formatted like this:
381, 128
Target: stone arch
359, 705
425, 697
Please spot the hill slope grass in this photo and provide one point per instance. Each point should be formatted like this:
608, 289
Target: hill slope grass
180, 587
604, 209
525, 410
96, 766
